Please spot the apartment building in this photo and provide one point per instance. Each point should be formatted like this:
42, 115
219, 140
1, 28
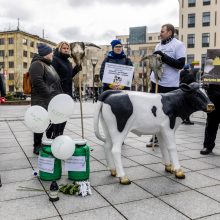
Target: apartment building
17, 49
199, 27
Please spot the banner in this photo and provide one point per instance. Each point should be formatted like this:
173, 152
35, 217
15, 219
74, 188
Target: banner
118, 74
212, 67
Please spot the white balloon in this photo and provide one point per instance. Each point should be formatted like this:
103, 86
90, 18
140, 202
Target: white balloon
63, 147
37, 119
60, 108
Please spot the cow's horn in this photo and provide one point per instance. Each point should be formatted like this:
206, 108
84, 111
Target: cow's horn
91, 45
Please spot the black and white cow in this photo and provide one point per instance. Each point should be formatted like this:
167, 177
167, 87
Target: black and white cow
144, 114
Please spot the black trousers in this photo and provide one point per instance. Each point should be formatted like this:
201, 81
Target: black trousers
211, 129
53, 131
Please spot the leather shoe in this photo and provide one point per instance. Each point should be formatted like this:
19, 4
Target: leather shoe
205, 151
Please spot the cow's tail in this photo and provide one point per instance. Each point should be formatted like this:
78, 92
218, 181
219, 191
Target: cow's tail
96, 121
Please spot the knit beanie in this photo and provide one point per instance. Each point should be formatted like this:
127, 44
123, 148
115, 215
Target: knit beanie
43, 49
115, 42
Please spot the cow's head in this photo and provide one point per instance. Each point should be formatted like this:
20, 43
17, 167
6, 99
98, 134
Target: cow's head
197, 97
77, 50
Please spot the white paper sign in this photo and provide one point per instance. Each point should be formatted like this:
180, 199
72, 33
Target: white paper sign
118, 74
46, 164
75, 163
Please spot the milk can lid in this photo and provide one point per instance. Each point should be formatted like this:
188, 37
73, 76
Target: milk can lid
47, 141
80, 142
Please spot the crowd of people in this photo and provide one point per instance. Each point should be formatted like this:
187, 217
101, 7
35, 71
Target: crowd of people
52, 73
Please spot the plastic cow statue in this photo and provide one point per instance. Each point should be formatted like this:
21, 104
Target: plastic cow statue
144, 114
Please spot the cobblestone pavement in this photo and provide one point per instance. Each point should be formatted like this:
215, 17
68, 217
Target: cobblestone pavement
153, 194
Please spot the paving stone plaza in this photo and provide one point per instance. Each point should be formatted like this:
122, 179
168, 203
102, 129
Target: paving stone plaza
152, 195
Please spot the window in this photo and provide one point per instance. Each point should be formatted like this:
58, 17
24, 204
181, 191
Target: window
2, 41
191, 40
24, 41
2, 53
150, 38
203, 59
11, 76
191, 20
191, 3
11, 88
31, 54
190, 58
205, 39
206, 2
11, 53
10, 40
24, 53
215, 39
25, 65
206, 19
182, 21
11, 64
32, 43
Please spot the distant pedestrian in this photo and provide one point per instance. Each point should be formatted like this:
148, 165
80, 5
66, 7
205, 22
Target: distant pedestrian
45, 84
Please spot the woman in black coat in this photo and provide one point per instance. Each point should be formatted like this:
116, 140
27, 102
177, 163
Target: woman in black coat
66, 72
45, 84
116, 56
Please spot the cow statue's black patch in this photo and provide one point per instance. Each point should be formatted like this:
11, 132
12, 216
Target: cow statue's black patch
154, 111
121, 106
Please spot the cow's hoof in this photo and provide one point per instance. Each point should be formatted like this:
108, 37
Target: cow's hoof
169, 168
179, 174
124, 180
113, 173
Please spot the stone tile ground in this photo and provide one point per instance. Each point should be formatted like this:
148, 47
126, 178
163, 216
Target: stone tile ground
153, 194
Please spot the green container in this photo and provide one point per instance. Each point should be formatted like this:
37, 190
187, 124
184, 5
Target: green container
81, 159
47, 153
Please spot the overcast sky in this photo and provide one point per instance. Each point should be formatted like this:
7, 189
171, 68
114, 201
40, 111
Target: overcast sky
97, 21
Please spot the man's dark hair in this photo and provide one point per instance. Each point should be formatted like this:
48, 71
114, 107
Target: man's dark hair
169, 27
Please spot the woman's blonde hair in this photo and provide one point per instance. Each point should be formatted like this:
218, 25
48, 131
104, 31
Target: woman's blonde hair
61, 44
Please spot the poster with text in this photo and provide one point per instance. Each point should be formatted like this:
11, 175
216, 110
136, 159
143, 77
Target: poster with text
212, 67
118, 74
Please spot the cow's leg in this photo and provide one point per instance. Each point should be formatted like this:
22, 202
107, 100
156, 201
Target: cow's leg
108, 150
116, 151
169, 141
165, 154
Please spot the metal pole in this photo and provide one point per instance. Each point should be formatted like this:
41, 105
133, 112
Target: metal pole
81, 109
142, 76
93, 86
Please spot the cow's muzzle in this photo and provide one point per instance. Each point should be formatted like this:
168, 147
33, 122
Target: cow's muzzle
210, 107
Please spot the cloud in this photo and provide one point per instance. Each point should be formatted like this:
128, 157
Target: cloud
77, 3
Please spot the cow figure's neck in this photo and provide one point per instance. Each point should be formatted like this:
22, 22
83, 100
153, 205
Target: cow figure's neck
176, 106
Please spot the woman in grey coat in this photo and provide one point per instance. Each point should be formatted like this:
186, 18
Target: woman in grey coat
45, 84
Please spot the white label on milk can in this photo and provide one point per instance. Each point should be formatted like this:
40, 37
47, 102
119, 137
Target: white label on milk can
75, 163
46, 164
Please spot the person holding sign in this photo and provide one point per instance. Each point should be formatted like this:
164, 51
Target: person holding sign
173, 55
113, 73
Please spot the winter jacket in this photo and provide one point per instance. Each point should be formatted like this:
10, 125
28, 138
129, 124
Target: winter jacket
45, 82
110, 59
65, 71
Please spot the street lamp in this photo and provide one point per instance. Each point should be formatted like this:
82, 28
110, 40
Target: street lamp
94, 61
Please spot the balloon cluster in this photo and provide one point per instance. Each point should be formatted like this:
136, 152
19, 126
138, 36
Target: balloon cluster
60, 108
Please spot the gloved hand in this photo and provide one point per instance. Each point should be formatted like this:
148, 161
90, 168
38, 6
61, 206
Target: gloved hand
159, 52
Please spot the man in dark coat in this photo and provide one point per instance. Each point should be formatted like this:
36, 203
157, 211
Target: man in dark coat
45, 84
66, 72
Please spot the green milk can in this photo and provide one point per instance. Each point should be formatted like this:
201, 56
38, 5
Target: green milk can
50, 168
80, 167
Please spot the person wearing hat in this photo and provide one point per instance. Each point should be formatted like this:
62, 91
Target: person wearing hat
116, 56
187, 77
45, 84
66, 72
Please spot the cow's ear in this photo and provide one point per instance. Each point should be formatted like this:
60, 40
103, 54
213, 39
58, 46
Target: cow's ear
186, 88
